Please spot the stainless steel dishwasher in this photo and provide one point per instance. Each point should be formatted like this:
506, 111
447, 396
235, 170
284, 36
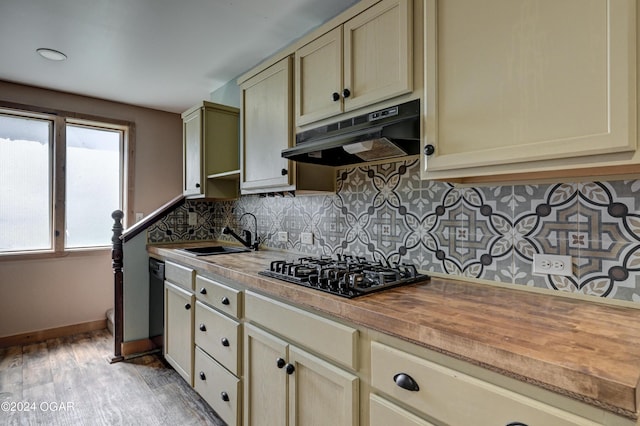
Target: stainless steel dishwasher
156, 300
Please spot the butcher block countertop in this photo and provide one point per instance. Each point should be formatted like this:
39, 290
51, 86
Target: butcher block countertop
589, 351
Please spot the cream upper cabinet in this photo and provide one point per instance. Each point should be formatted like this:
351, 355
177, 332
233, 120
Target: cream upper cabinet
366, 60
211, 163
192, 156
267, 129
319, 78
529, 86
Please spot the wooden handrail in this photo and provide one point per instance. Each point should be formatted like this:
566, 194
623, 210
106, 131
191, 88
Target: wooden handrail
117, 263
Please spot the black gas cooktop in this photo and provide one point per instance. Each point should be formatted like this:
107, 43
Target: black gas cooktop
346, 276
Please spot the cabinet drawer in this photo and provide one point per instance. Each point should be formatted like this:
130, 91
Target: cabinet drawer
218, 387
383, 413
455, 398
331, 339
221, 297
219, 336
179, 275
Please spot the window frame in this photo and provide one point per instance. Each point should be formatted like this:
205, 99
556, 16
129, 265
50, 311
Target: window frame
57, 179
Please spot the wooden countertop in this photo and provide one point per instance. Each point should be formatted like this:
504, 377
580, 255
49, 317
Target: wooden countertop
586, 350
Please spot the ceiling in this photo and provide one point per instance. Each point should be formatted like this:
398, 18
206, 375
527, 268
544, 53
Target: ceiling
161, 54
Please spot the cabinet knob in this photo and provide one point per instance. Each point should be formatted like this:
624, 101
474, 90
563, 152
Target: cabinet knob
187, 306
224, 300
203, 327
290, 369
280, 362
202, 376
224, 341
346, 93
197, 185
284, 172
224, 396
405, 381
429, 149
335, 96
203, 290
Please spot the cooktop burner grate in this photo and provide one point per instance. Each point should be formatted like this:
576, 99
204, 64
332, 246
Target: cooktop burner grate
347, 276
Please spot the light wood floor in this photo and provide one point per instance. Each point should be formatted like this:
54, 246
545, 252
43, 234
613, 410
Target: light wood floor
73, 373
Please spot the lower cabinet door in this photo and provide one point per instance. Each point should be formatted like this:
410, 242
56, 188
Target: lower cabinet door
178, 330
265, 380
320, 393
221, 389
384, 413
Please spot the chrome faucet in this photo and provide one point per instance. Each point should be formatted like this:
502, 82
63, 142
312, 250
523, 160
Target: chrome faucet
247, 240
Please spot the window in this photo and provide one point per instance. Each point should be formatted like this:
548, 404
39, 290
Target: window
58, 173
25, 188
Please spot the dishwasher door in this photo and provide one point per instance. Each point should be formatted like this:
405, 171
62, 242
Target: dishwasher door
156, 299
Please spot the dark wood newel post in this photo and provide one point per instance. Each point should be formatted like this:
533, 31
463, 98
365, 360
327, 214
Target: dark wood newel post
117, 261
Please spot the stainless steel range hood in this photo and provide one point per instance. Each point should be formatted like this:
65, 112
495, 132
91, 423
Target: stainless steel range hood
387, 133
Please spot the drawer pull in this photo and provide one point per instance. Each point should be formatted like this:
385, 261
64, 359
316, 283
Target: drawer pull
290, 369
280, 362
203, 327
516, 424
225, 300
405, 381
202, 376
203, 290
224, 396
224, 341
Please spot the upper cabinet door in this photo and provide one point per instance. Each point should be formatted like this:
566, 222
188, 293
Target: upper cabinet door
366, 60
267, 128
318, 79
547, 83
378, 54
192, 156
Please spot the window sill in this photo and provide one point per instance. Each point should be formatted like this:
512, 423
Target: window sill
70, 253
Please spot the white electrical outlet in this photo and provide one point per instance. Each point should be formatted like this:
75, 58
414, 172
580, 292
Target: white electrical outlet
306, 238
139, 216
550, 264
192, 219
283, 236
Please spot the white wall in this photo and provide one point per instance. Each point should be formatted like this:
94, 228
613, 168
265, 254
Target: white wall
40, 294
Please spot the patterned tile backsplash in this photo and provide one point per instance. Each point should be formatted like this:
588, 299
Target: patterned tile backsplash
387, 212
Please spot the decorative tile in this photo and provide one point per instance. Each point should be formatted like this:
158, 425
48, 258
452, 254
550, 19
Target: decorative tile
387, 212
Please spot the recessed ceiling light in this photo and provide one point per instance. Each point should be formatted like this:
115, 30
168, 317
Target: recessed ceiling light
52, 55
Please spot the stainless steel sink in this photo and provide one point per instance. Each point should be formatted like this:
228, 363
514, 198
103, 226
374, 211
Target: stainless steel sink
211, 250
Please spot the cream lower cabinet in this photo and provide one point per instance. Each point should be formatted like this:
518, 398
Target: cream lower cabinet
218, 347
179, 309
178, 341
520, 89
285, 384
366, 60
451, 397
384, 413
